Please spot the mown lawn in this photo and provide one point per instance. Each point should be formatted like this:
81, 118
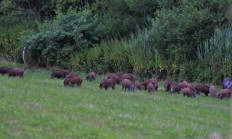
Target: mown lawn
39, 107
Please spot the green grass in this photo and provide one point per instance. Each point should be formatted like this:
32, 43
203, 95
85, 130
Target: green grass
39, 107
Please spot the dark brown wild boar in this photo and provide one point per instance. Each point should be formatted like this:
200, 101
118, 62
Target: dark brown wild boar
201, 88
119, 74
166, 85
102, 82
212, 91
16, 72
68, 77
139, 86
4, 70
173, 82
150, 88
130, 77
91, 76
176, 87
109, 83
59, 74
224, 93
75, 80
153, 81
189, 92
113, 76
127, 84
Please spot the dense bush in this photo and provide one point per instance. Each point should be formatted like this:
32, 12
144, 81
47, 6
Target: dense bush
109, 56
60, 38
12, 26
215, 56
120, 18
180, 30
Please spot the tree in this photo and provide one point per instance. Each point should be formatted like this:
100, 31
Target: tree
123, 17
59, 39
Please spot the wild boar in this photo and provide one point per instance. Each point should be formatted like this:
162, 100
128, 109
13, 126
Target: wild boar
102, 82
127, 84
75, 80
212, 91
150, 88
176, 87
130, 77
91, 76
119, 74
109, 83
153, 81
113, 76
201, 88
189, 92
227, 83
4, 70
166, 85
68, 77
59, 74
139, 86
224, 93
16, 72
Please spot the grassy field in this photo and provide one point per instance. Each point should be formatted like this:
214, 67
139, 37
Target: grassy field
39, 107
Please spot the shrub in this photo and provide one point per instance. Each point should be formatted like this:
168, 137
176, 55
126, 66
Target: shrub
215, 54
12, 26
181, 29
108, 56
120, 18
59, 39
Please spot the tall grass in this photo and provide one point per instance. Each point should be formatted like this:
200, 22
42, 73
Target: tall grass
134, 55
216, 53
218, 48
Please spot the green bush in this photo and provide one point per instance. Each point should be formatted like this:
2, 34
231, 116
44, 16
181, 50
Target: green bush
181, 29
108, 56
120, 18
12, 26
216, 54
59, 39
121, 55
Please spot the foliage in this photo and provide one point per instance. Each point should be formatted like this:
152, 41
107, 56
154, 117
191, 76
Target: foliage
60, 38
181, 29
41, 9
122, 17
108, 56
216, 54
12, 26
